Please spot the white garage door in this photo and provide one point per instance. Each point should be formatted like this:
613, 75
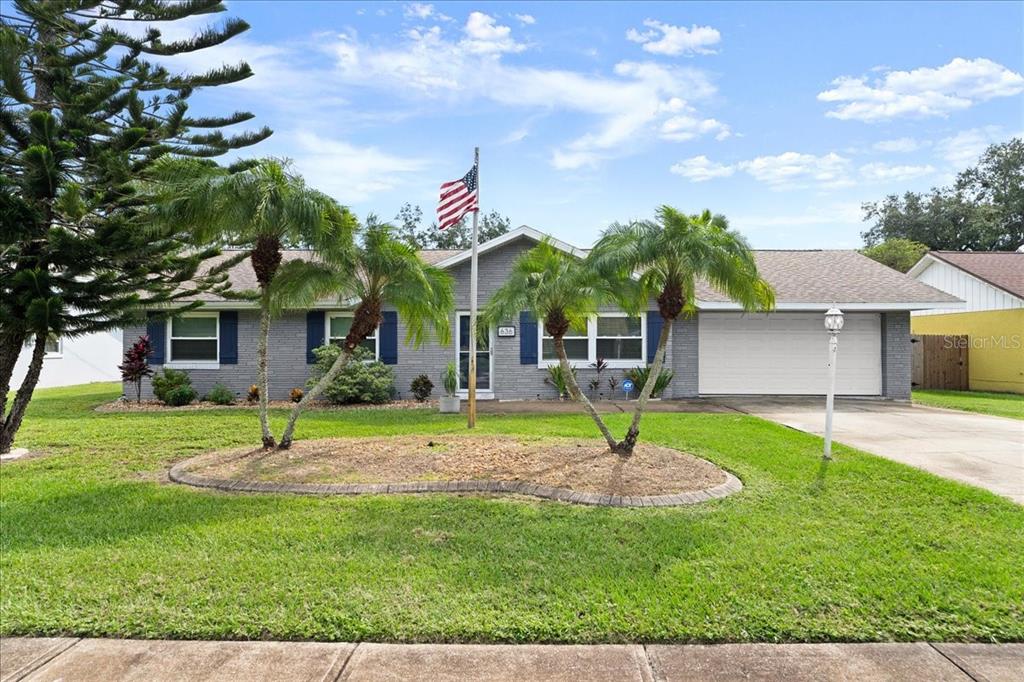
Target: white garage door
786, 354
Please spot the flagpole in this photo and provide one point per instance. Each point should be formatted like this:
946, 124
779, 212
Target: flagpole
472, 300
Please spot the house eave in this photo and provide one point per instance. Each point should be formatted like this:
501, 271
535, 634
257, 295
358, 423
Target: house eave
822, 306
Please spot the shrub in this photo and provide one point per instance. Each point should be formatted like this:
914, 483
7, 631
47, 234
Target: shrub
296, 395
450, 380
173, 387
557, 379
639, 376
253, 394
363, 380
421, 387
135, 366
220, 395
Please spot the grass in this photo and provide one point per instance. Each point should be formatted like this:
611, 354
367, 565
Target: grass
996, 404
94, 542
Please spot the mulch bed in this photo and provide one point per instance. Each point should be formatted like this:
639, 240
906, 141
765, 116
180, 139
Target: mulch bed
574, 464
157, 406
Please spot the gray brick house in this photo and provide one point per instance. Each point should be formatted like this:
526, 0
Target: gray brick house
720, 350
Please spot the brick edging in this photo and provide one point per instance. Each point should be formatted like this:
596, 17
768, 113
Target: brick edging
178, 474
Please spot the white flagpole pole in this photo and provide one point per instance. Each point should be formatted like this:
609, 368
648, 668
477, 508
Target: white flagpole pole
472, 300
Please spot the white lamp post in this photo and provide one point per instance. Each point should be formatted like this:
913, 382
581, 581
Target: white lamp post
833, 323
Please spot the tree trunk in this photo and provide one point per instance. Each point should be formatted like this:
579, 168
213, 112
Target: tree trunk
312, 394
576, 394
263, 369
629, 442
10, 350
12, 421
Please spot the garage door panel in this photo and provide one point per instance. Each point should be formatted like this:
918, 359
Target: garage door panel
786, 354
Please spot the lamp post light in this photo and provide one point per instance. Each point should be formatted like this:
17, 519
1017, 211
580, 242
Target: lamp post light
833, 323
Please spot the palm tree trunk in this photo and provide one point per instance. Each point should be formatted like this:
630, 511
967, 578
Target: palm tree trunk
629, 442
312, 394
263, 369
576, 394
12, 421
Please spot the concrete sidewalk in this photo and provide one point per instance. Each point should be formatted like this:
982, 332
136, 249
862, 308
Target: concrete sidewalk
111, 660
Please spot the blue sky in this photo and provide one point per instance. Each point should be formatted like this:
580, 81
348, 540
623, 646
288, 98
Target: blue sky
784, 117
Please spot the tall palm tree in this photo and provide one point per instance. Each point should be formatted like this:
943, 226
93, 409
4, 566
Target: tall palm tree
259, 211
381, 270
561, 290
668, 256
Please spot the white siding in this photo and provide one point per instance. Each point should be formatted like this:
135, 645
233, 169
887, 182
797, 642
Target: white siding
787, 354
93, 357
978, 295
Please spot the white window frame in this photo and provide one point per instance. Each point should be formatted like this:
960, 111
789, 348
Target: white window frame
191, 364
464, 392
592, 345
57, 354
327, 331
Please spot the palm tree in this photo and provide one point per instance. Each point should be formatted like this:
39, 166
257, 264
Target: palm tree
668, 256
259, 210
381, 270
561, 290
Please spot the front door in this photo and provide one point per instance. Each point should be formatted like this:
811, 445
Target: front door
483, 357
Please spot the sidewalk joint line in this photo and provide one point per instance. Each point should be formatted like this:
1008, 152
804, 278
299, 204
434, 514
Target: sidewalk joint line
650, 665
43, 659
341, 670
955, 660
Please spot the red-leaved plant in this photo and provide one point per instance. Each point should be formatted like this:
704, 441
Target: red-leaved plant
136, 367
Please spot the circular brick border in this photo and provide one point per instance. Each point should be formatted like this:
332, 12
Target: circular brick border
178, 474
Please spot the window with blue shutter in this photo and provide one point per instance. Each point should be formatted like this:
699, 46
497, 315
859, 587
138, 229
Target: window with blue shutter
527, 339
654, 324
316, 325
388, 333
229, 337
156, 330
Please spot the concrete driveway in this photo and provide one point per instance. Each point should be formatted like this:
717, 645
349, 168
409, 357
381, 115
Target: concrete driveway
973, 448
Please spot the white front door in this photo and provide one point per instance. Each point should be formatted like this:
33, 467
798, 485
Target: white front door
786, 354
484, 359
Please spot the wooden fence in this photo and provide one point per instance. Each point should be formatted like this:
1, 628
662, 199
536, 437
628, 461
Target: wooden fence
940, 361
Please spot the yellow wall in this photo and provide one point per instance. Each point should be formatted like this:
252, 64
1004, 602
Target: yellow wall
996, 357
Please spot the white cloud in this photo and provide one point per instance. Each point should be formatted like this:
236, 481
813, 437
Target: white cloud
666, 39
347, 171
484, 36
921, 92
525, 19
628, 106
792, 170
684, 127
701, 169
884, 172
418, 10
964, 148
837, 213
899, 145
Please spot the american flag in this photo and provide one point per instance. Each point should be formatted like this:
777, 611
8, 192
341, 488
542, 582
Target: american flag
458, 198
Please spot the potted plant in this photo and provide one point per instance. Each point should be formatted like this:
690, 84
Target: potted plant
450, 403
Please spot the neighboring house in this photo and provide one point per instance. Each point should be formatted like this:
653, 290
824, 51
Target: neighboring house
720, 350
93, 357
992, 285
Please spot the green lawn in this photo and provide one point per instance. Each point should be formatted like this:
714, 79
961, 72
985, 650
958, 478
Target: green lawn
93, 541
997, 404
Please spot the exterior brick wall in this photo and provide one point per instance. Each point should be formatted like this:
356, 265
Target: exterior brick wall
896, 355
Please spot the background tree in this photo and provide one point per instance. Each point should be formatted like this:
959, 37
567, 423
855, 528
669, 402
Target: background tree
459, 236
670, 254
563, 292
982, 211
382, 270
256, 211
135, 365
83, 112
897, 253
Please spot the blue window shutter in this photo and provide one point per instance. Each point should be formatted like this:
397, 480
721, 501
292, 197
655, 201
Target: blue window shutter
229, 337
316, 321
388, 333
156, 330
654, 324
527, 339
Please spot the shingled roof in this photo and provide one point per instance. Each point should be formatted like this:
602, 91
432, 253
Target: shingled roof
1001, 269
